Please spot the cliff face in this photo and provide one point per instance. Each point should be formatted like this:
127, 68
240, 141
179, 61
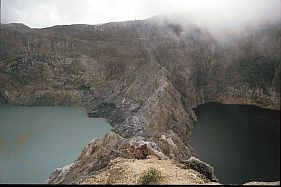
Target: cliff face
143, 76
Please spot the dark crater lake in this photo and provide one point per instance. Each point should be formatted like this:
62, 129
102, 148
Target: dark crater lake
34, 141
242, 143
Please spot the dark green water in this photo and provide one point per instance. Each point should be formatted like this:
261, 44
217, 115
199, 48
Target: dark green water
242, 143
36, 140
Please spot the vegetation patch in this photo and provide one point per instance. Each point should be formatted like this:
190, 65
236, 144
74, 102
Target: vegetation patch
150, 176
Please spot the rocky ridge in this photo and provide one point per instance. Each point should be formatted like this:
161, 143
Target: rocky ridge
97, 157
144, 77
127, 171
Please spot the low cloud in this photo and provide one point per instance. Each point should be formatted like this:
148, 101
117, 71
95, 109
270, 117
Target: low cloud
45, 13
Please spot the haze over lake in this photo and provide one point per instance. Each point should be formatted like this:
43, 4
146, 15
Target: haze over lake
36, 140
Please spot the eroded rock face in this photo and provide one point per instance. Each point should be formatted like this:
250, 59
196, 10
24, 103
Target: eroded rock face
97, 158
201, 167
144, 77
97, 154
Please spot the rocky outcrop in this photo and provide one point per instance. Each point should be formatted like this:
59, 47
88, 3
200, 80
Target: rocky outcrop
144, 77
127, 171
98, 153
201, 167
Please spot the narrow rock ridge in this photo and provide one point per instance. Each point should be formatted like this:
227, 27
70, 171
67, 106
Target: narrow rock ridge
144, 77
128, 171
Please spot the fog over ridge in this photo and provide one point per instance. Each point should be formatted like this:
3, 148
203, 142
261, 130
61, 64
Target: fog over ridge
46, 13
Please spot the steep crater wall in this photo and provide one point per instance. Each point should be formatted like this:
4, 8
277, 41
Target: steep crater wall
143, 76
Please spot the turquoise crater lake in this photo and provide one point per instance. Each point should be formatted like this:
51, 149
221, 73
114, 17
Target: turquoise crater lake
34, 141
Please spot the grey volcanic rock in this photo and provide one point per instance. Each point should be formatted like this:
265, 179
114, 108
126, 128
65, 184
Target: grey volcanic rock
109, 111
97, 154
202, 167
93, 157
144, 77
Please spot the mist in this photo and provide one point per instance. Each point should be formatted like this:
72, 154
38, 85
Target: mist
216, 15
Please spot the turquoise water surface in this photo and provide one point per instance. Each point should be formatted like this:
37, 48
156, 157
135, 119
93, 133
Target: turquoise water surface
34, 141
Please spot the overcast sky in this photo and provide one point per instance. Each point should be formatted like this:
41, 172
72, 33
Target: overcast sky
45, 13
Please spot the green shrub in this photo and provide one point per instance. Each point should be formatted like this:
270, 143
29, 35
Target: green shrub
150, 176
